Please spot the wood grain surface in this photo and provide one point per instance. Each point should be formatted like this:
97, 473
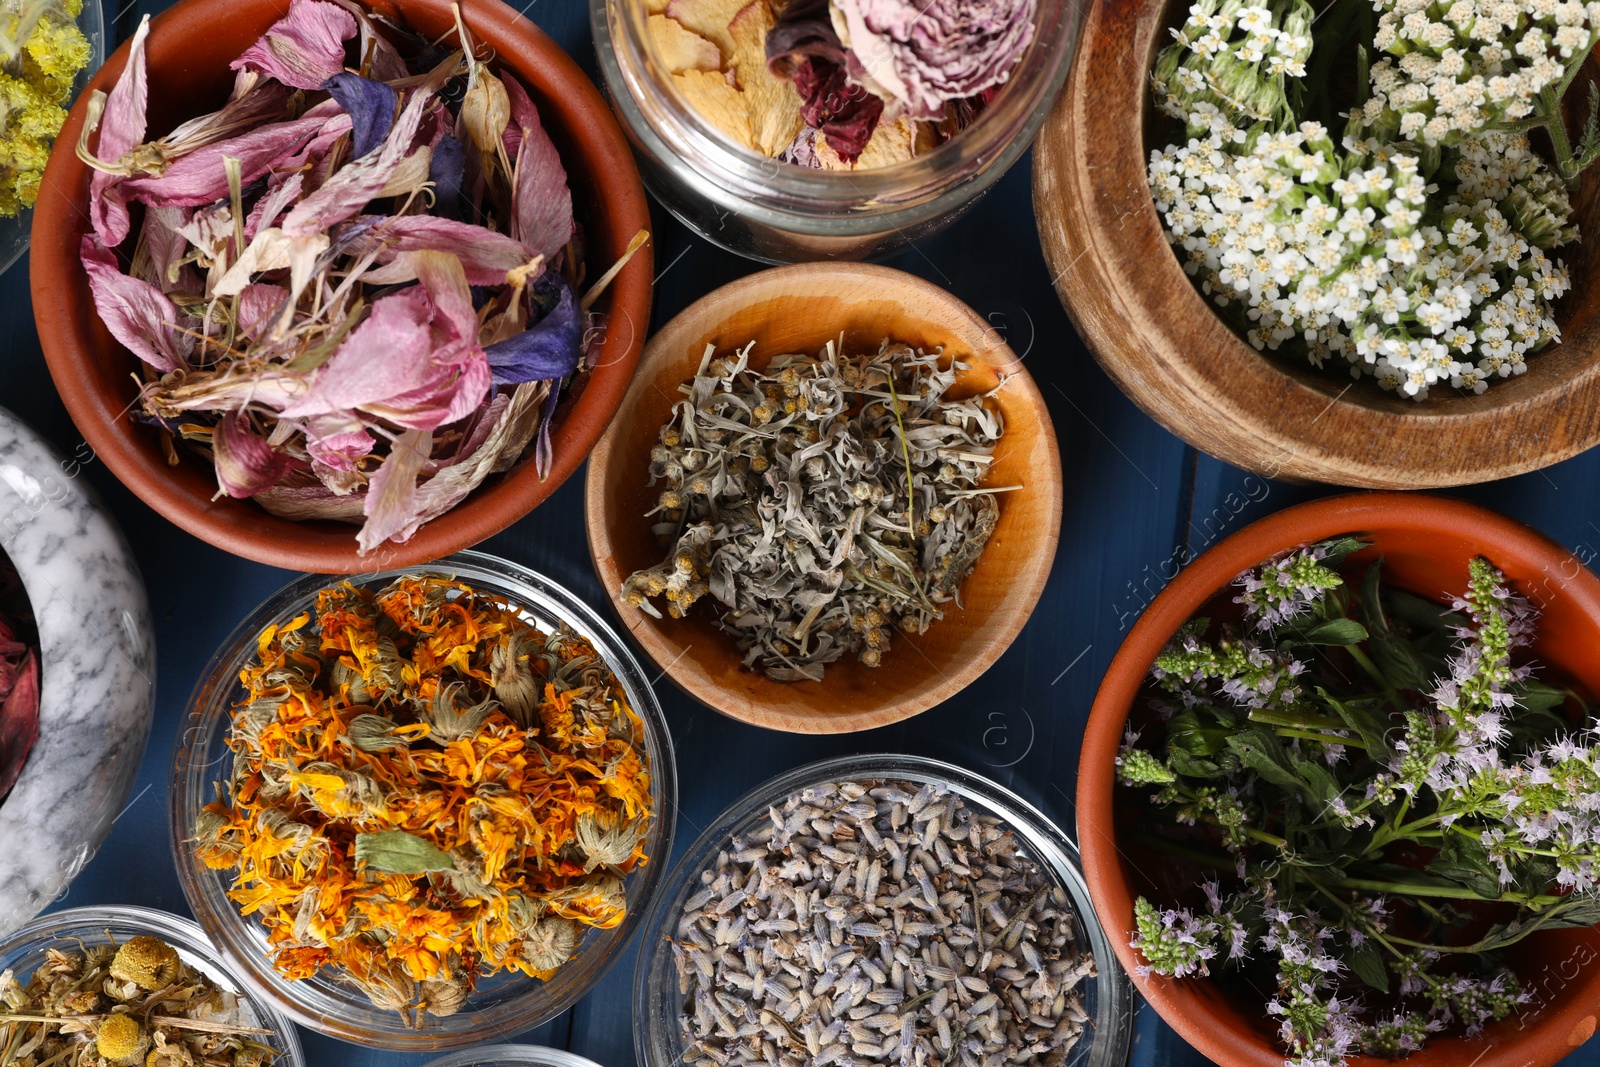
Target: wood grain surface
800, 309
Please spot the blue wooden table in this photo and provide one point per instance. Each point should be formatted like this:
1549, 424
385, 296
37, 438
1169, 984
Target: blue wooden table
1138, 502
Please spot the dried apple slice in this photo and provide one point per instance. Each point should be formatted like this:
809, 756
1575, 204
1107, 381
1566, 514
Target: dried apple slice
680, 49
773, 105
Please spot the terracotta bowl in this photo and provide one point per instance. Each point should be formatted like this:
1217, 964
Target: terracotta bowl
1162, 342
799, 309
1425, 543
189, 49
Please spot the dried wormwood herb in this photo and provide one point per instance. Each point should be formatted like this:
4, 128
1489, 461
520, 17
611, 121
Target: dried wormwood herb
427, 789
876, 922
119, 1006
820, 502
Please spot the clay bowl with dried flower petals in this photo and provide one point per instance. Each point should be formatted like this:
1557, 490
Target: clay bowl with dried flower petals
799, 309
1426, 543
189, 49
1168, 349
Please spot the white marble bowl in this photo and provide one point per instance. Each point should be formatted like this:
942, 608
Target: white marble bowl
96, 670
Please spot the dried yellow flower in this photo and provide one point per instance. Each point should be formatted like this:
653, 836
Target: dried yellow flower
147, 962
121, 1040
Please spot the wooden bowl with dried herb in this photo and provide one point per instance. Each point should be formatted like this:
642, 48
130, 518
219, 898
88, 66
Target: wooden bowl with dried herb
847, 516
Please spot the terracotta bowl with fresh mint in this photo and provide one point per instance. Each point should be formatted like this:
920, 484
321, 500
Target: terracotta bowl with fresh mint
1425, 543
189, 50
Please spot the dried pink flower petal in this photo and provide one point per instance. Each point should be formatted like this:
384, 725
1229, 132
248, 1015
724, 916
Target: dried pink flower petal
542, 203
920, 54
138, 314
304, 48
245, 462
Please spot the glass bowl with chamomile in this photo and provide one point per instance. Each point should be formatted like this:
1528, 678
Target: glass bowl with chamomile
39, 63
243, 1023
745, 195
506, 892
1031, 890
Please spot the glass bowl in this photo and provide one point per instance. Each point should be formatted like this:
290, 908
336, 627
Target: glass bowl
502, 1004
511, 1056
1108, 997
23, 951
17, 231
780, 213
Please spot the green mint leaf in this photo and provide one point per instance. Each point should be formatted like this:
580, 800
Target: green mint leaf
1335, 632
1368, 966
398, 852
1398, 661
1262, 752
1361, 720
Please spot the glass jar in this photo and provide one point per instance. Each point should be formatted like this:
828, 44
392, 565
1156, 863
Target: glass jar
781, 213
27, 948
511, 1056
506, 1003
1108, 994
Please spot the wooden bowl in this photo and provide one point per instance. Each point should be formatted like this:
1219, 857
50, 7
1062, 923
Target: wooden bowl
188, 52
1425, 542
1160, 339
799, 309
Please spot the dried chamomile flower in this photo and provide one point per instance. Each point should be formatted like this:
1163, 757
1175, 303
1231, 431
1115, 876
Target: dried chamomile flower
148, 962
121, 1040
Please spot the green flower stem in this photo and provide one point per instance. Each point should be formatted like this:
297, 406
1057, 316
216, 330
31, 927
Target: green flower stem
1326, 739
1550, 111
1267, 717
1183, 852
1449, 892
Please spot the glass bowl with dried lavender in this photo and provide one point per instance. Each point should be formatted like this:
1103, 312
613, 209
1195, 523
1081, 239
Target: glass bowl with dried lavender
886, 910
124, 986
367, 287
423, 807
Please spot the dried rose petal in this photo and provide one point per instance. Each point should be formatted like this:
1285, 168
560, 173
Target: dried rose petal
121, 129
921, 54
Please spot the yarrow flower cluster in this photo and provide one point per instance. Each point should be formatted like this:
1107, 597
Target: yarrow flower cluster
1413, 266
1357, 724
1458, 67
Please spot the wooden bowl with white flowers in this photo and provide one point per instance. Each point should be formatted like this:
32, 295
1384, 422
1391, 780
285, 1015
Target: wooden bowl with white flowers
1161, 340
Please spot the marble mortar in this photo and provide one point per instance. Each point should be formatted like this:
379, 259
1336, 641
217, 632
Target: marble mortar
97, 670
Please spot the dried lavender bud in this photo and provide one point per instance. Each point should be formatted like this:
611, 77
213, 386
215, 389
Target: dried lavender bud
882, 922
820, 502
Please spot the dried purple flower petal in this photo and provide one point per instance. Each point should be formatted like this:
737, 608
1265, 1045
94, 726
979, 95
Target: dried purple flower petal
357, 183
547, 349
304, 48
390, 505
447, 170
138, 314
846, 113
372, 106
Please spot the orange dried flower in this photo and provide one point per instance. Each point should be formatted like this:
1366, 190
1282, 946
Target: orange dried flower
427, 789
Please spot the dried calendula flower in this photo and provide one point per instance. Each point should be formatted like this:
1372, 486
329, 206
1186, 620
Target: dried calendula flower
876, 513
148, 962
426, 790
